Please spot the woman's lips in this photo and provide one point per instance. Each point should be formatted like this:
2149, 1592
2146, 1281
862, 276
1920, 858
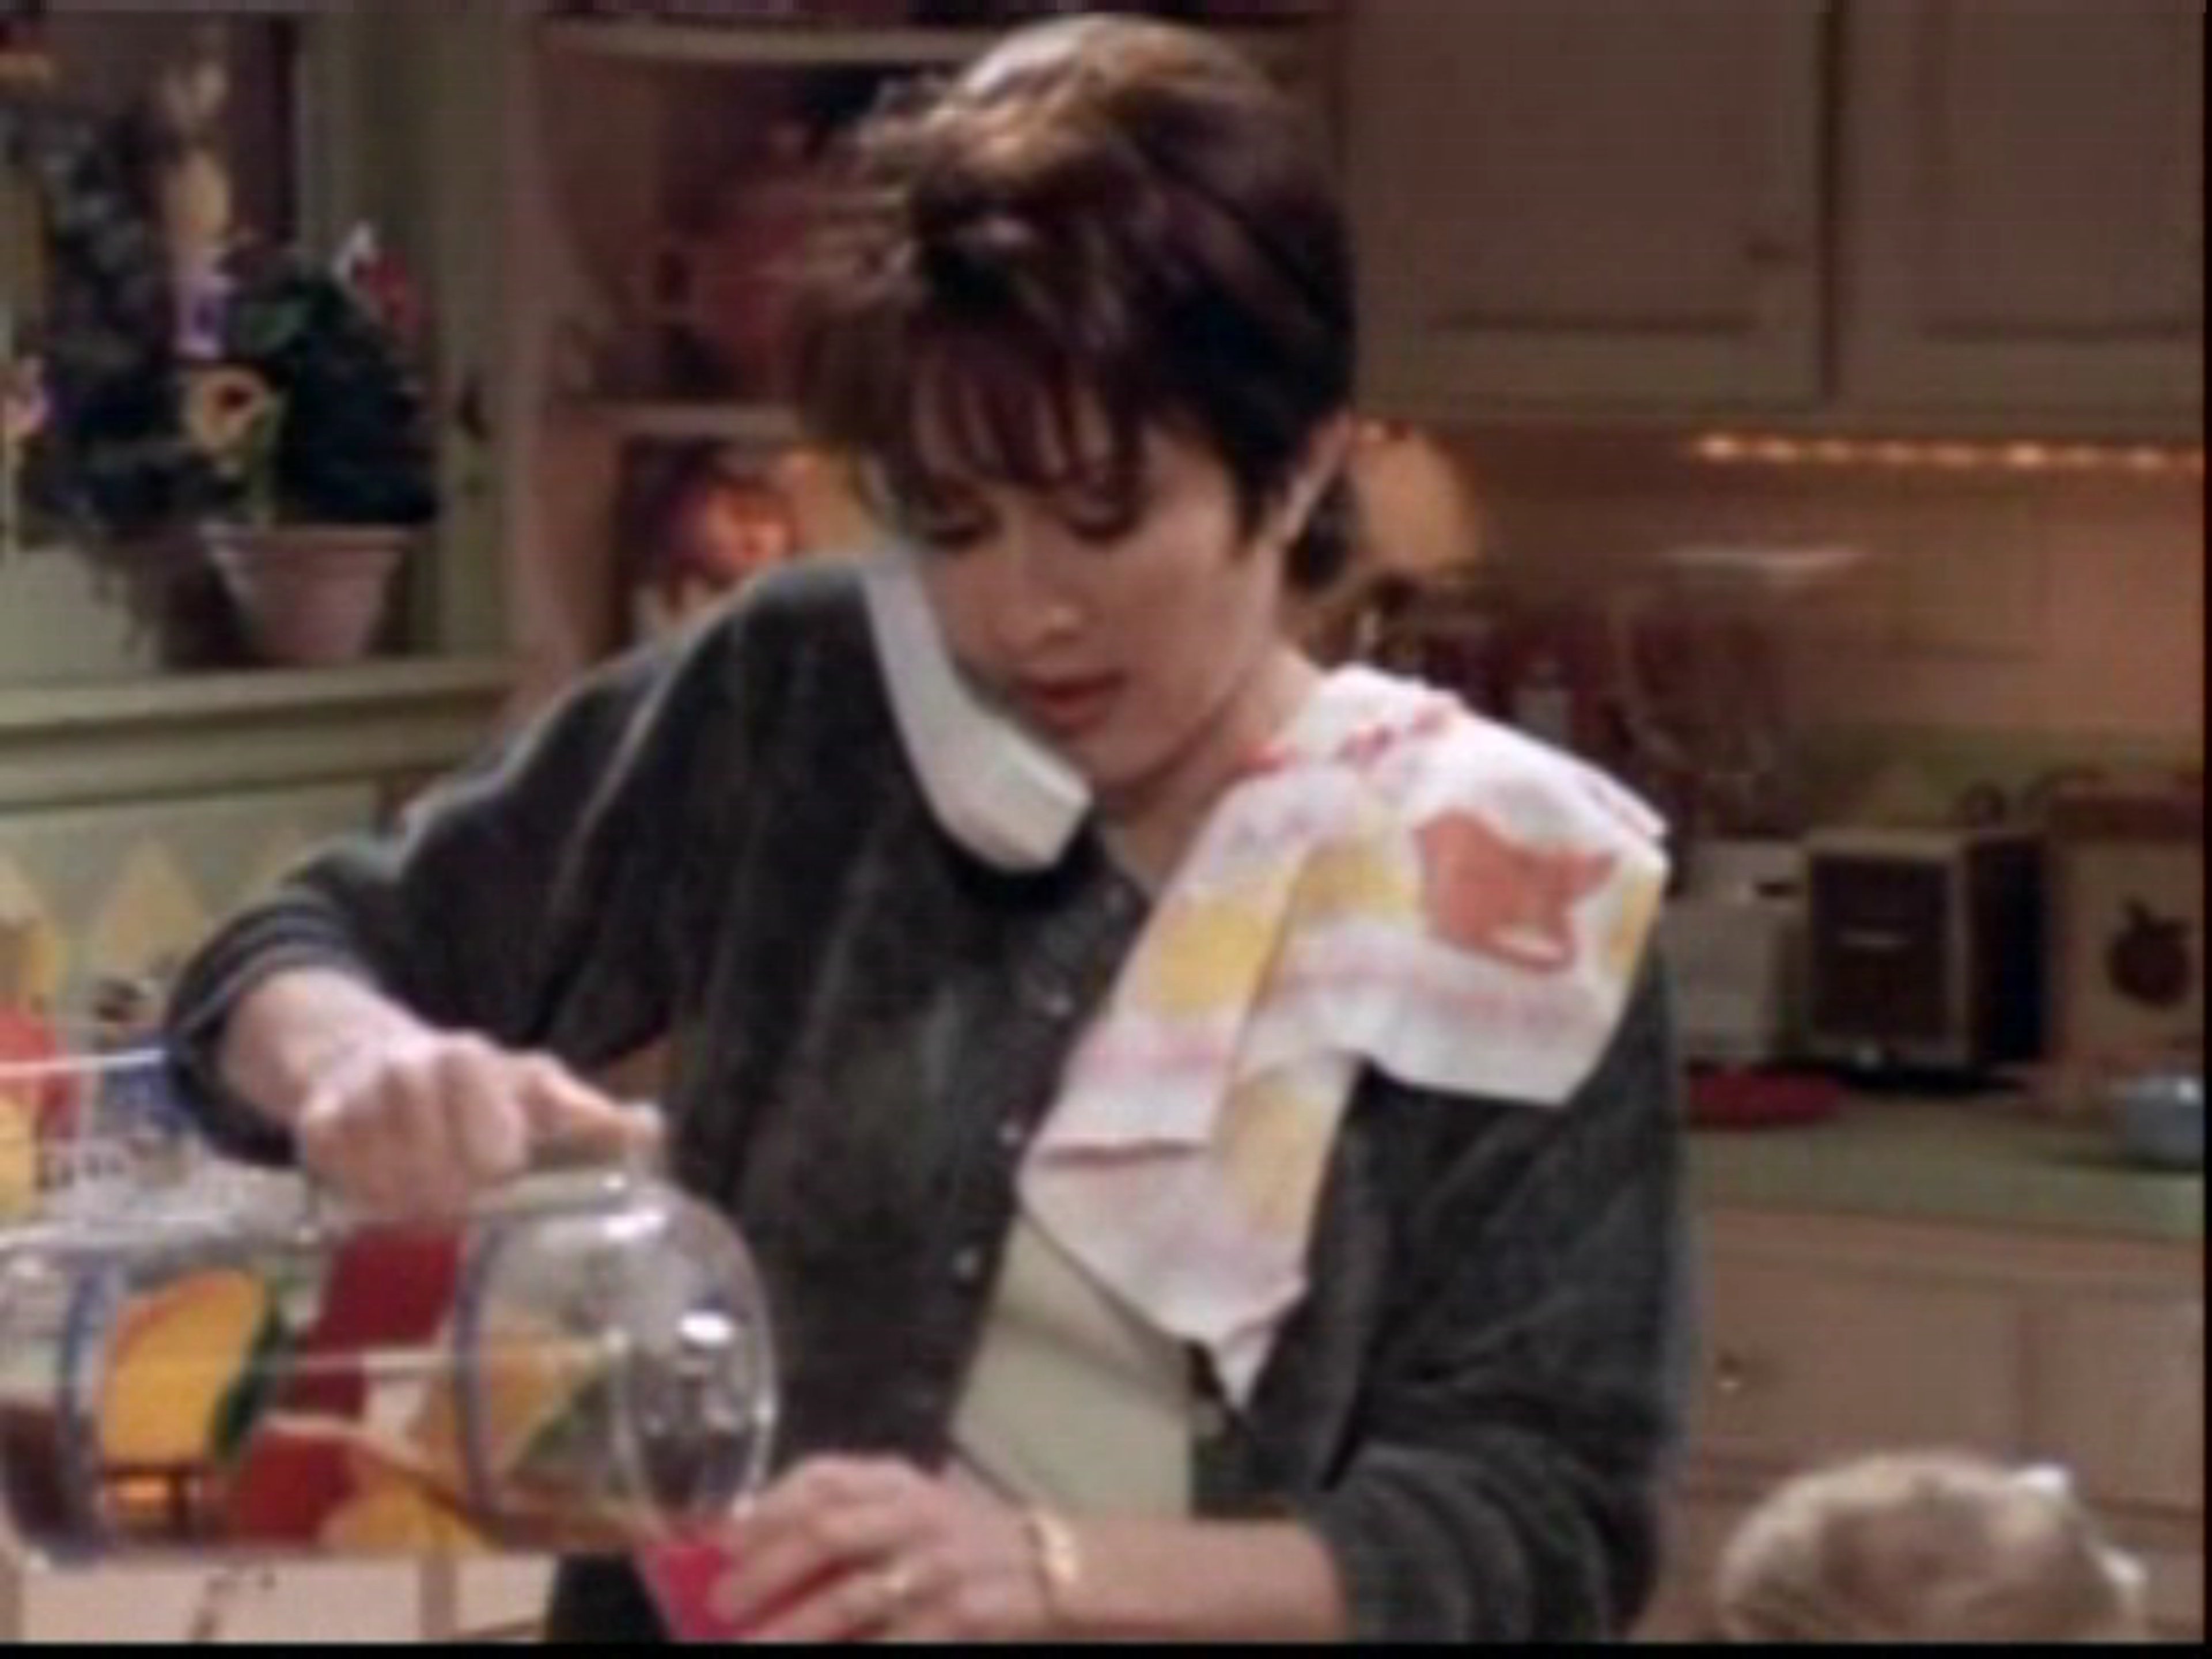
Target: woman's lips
1067, 707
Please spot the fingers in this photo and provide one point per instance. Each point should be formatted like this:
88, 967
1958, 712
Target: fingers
851, 1547
936, 1611
370, 1130
828, 1553
418, 1126
471, 1113
485, 1118
863, 1601
570, 1121
802, 1554
929, 1626
935, 1604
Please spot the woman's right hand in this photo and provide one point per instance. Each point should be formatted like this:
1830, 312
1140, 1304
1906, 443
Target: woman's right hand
416, 1123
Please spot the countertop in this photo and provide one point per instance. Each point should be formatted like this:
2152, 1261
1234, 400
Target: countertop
1976, 1161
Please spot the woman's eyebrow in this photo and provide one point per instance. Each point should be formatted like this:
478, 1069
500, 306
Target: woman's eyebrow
1110, 467
931, 483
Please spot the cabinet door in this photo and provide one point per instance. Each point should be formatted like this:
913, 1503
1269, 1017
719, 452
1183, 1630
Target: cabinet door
2175, 1595
2120, 1397
1696, 1530
2024, 212
1805, 1362
1587, 203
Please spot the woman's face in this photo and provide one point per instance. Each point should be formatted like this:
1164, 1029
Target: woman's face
1121, 626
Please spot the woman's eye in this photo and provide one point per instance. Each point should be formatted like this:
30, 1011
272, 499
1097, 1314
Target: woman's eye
947, 524
1102, 518
950, 536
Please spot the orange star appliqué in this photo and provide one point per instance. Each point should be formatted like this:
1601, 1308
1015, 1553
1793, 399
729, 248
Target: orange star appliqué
1504, 899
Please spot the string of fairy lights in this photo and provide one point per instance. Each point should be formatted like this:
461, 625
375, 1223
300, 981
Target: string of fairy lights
1948, 455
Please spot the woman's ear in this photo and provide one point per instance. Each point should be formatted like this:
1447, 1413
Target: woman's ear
1326, 455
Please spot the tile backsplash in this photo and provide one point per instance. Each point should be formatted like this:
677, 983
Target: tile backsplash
1995, 620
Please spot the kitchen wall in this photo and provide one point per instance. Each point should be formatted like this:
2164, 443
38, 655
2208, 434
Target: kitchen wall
1998, 622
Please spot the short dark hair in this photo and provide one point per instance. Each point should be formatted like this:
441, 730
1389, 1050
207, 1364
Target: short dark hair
1103, 213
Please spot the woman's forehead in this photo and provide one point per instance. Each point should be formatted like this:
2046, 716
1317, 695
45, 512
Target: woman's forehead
988, 428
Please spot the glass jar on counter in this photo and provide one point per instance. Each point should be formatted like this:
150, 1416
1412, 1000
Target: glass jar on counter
581, 1365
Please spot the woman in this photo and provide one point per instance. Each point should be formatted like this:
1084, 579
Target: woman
1102, 1316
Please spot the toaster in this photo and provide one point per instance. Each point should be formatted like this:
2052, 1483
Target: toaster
1924, 949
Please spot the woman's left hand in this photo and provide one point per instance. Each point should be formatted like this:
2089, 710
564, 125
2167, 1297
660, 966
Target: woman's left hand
846, 1548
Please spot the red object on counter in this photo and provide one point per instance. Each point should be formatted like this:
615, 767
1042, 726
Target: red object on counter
1755, 1098
29, 1039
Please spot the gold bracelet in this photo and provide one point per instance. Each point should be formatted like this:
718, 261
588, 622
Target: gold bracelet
1059, 1561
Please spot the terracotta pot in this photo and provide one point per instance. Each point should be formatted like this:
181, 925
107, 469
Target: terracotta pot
309, 595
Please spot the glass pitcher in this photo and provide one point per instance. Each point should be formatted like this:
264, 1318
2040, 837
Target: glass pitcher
198, 1358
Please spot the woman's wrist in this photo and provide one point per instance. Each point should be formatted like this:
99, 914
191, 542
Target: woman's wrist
1056, 1553
288, 1032
1192, 1581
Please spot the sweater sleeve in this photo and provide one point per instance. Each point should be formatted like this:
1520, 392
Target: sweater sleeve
543, 898
1526, 1380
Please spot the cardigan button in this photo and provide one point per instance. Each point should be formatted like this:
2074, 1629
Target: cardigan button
1053, 1001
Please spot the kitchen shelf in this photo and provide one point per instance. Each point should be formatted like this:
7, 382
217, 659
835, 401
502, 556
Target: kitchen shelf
171, 698
765, 425
827, 46
179, 734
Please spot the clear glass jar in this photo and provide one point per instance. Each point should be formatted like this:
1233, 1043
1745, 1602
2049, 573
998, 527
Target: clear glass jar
581, 1365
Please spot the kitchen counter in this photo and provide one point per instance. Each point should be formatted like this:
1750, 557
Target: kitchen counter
1948, 1160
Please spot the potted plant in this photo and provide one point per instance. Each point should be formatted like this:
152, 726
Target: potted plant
309, 422
211, 390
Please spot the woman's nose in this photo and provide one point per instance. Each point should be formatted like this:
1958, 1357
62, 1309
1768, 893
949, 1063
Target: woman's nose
1034, 602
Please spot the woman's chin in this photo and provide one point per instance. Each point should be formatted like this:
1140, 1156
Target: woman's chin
1106, 770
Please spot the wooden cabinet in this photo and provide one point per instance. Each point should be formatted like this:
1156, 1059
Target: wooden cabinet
1805, 1364
1698, 1529
2023, 212
2121, 1384
1581, 200
1917, 215
1826, 1337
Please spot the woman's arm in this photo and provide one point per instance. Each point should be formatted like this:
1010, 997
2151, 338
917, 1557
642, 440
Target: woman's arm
1199, 1581
294, 1027
533, 899
1527, 1382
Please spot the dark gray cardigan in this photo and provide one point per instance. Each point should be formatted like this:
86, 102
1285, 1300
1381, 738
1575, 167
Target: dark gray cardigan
721, 839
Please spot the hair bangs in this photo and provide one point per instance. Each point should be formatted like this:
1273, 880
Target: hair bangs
1012, 407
